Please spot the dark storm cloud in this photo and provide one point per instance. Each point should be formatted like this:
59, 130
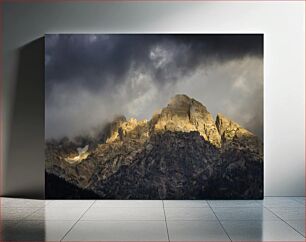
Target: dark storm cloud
94, 60
92, 78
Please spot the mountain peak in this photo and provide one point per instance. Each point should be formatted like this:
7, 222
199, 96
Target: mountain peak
179, 99
186, 114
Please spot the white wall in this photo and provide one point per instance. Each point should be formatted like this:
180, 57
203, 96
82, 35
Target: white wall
283, 26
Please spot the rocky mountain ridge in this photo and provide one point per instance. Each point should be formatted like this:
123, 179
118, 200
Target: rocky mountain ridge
181, 153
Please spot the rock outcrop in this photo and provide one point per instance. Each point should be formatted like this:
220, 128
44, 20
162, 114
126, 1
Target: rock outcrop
131, 129
186, 114
232, 134
181, 153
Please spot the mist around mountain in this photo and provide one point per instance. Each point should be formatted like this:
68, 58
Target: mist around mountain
180, 153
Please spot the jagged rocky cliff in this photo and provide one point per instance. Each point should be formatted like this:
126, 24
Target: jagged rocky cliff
181, 153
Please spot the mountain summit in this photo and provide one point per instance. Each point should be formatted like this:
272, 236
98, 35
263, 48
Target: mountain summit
181, 153
186, 114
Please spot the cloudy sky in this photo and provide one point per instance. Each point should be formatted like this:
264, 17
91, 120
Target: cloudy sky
90, 78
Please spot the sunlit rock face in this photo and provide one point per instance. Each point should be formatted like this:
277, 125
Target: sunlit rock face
230, 130
131, 129
186, 114
181, 153
182, 114
232, 134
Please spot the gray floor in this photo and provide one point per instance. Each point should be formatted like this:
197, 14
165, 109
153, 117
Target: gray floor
274, 219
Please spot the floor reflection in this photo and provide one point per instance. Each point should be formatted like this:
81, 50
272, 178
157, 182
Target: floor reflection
26, 230
274, 219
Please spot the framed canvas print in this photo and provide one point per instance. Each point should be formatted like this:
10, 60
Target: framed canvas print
154, 116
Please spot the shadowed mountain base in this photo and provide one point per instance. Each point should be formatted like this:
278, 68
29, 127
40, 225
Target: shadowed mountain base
58, 188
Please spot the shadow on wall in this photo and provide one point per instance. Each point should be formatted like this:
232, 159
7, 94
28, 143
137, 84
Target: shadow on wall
24, 171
